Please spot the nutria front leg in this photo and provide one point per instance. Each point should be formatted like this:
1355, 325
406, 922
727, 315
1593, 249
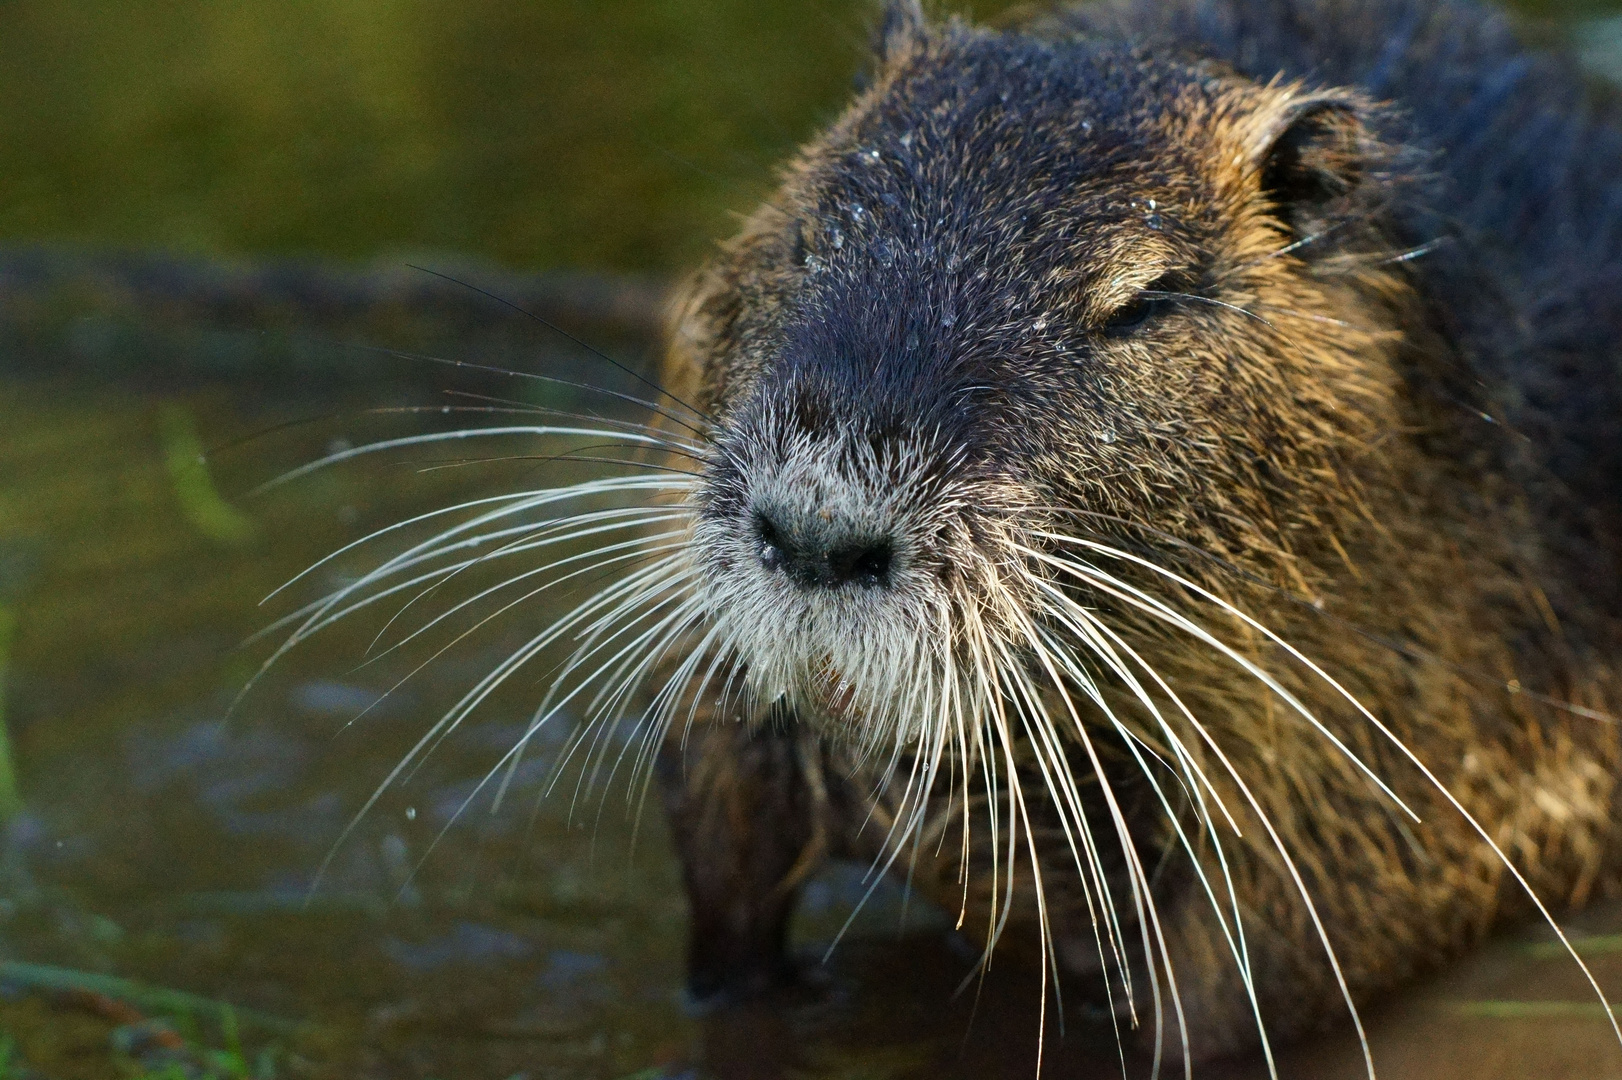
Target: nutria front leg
745, 806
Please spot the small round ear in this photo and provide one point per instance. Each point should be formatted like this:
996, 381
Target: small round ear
1316, 151
901, 26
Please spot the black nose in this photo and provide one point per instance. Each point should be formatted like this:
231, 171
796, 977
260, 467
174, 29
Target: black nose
820, 555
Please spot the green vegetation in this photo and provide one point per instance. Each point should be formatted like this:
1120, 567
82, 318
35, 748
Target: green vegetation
97, 1025
187, 462
568, 133
1594, 945
149, 998
574, 133
1528, 1010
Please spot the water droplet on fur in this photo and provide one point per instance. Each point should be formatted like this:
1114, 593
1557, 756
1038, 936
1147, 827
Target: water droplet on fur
857, 212
1039, 325
906, 140
1106, 435
837, 239
884, 253
953, 261
1086, 127
1153, 221
872, 157
815, 264
912, 341
411, 813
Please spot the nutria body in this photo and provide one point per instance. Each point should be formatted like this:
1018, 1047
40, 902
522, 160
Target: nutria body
1159, 489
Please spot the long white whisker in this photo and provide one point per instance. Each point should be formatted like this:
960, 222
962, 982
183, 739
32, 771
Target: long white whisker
574, 528
601, 557
327, 617
640, 549
504, 670
533, 431
1113, 586
1403, 749
1104, 641
314, 614
1141, 600
542, 496
496, 769
1142, 898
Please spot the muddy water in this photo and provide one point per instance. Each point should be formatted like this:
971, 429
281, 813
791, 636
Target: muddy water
174, 835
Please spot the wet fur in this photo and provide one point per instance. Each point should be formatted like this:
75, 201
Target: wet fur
1396, 445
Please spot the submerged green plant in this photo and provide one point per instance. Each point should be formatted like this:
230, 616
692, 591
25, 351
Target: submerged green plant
187, 463
150, 999
1529, 1010
1594, 945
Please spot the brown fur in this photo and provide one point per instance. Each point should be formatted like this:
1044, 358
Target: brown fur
1295, 448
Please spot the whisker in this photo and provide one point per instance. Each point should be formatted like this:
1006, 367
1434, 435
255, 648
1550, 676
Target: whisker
518, 406
552, 380
519, 502
1312, 913
614, 594
1104, 642
1141, 895
1144, 602
532, 431
529, 542
324, 612
423, 468
1413, 758
1402, 648
484, 782
655, 387
631, 559
1208, 300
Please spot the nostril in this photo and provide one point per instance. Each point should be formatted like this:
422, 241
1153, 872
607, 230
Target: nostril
772, 549
813, 560
866, 564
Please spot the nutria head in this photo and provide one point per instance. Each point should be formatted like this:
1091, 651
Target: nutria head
1027, 287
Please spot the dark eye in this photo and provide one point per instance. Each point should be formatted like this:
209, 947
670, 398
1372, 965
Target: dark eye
1141, 308
1132, 315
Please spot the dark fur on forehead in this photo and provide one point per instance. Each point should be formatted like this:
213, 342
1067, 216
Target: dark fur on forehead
1054, 151
996, 182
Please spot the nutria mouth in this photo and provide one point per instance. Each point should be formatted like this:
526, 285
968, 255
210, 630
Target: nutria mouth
1153, 493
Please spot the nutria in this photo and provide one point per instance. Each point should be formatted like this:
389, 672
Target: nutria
1157, 487
1150, 476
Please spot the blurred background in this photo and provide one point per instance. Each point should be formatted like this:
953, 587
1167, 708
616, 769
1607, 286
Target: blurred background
236, 236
